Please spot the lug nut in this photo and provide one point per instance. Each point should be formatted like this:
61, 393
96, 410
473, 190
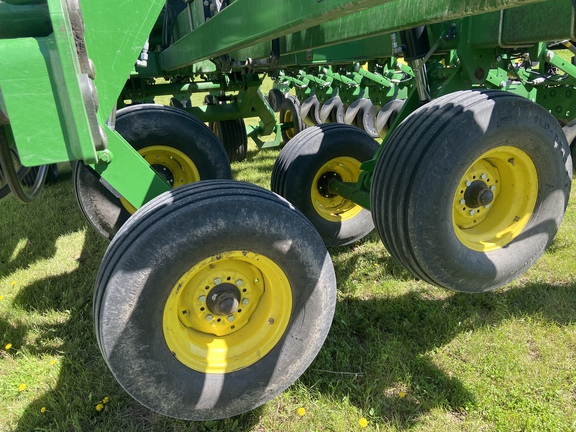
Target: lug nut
239, 282
471, 213
231, 318
217, 281
245, 301
209, 318
202, 299
468, 182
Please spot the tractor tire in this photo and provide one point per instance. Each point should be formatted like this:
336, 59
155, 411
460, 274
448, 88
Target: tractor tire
232, 135
213, 299
290, 114
177, 145
304, 169
471, 188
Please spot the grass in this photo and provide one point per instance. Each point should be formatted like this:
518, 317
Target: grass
400, 353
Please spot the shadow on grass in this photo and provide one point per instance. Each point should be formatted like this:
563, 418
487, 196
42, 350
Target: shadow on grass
84, 380
376, 346
28, 233
384, 341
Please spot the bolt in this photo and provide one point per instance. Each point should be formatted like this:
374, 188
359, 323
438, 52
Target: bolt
487, 206
217, 281
492, 188
245, 301
239, 282
462, 201
471, 213
209, 318
202, 299
230, 318
468, 182
549, 55
256, 280
483, 176
270, 321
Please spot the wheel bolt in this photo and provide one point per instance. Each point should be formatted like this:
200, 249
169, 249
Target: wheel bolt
256, 280
217, 281
462, 201
209, 318
487, 206
483, 176
468, 182
230, 318
202, 299
471, 213
492, 188
245, 301
239, 282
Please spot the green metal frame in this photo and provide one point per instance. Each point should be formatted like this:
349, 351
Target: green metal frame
59, 125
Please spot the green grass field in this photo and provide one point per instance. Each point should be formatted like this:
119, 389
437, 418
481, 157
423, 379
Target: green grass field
401, 354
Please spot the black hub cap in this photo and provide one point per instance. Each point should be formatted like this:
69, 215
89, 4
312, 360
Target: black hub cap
223, 299
324, 183
165, 173
478, 194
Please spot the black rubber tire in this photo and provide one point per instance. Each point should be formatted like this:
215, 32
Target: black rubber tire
417, 176
275, 99
142, 126
301, 160
21, 172
290, 113
232, 135
187, 225
570, 132
51, 175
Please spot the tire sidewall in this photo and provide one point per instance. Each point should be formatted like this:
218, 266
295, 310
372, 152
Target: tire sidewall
429, 222
132, 321
157, 125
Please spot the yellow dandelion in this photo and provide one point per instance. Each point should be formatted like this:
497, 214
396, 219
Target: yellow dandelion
52, 362
401, 394
363, 422
106, 400
301, 411
99, 407
43, 410
13, 283
1, 297
22, 387
8, 346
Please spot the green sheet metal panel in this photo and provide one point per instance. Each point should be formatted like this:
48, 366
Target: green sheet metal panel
314, 24
525, 26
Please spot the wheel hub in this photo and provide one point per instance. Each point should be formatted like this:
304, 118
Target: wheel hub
324, 183
223, 299
165, 173
478, 194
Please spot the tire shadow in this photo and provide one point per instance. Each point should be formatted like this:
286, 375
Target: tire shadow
84, 379
375, 345
28, 239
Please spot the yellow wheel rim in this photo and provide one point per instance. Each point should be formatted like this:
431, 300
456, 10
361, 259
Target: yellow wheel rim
328, 205
227, 312
175, 166
495, 199
287, 118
